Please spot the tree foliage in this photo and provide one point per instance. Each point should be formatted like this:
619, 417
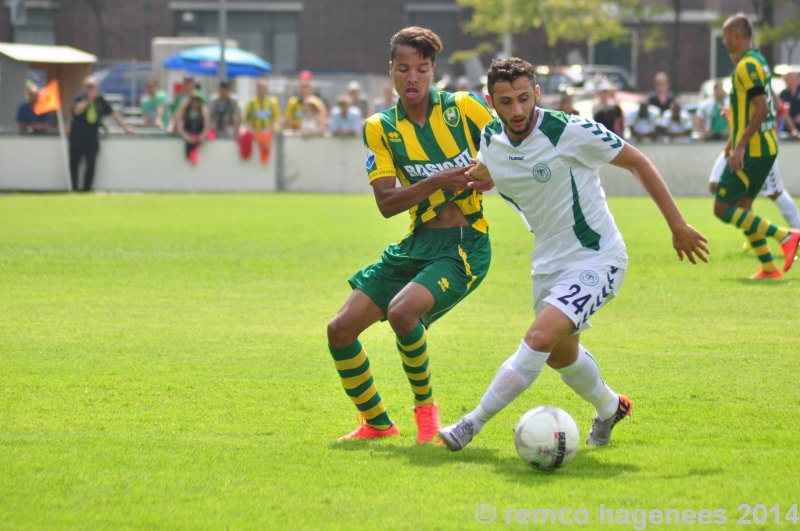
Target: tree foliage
564, 20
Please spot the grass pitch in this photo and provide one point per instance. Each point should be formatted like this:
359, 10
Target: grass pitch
163, 364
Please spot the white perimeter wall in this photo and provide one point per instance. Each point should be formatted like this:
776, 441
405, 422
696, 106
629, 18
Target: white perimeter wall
332, 165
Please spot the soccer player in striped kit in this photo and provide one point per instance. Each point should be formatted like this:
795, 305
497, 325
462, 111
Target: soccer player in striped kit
425, 142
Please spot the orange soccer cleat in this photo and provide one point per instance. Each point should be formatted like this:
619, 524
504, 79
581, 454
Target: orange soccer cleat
428, 422
789, 248
763, 274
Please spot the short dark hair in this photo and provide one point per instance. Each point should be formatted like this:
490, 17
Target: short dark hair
224, 85
426, 42
741, 23
509, 70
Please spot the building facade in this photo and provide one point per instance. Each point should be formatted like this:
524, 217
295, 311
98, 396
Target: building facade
330, 36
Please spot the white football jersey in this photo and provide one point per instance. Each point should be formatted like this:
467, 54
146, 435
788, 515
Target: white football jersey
552, 179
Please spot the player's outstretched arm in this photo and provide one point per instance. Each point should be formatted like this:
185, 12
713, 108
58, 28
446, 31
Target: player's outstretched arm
686, 240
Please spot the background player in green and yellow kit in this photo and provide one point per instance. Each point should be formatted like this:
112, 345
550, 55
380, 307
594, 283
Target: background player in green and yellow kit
426, 142
752, 149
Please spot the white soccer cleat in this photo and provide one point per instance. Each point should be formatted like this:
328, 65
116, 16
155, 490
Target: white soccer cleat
458, 435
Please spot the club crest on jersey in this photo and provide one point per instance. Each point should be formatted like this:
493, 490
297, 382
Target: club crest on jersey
541, 172
452, 116
589, 277
370, 160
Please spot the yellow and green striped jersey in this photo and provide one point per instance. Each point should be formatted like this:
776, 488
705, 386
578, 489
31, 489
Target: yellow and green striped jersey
294, 110
752, 77
261, 114
398, 147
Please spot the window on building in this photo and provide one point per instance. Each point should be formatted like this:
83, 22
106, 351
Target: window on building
442, 18
36, 25
621, 54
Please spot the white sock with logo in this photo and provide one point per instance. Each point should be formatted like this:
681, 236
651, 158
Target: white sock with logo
583, 377
515, 375
788, 209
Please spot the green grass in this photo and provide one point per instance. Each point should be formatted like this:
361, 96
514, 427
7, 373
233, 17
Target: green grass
163, 364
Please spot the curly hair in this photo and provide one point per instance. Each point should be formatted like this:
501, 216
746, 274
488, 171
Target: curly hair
426, 42
509, 70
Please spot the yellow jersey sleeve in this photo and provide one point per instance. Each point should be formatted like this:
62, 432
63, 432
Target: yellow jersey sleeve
379, 158
751, 74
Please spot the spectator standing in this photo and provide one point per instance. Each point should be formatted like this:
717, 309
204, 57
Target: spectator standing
154, 105
262, 116
387, 100
791, 97
29, 122
661, 96
711, 121
294, 105
346, 118
358, 99
225, 115
607, 111
194, 124
314, 117
88, 110
567, 105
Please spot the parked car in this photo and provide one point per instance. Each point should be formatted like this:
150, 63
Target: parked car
617, 75
123, 83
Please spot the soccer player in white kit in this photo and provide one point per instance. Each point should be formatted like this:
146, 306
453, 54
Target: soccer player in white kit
545, 164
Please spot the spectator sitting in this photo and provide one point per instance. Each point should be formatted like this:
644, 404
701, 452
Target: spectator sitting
790, 96
193, 124
357, 99
262, 116
312, 120
346, 118
711, 121
154, 105
189, 88
643, 122
224, 112
607, 111
677, 122
661, 96
565, 104
29, 122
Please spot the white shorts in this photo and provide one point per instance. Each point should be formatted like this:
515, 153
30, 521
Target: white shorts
773, 185
577, 293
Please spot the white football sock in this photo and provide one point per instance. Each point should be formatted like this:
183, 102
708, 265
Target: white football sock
788, 209
583, 377
515, 375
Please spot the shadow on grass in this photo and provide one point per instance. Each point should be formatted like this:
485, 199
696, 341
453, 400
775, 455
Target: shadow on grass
585, 465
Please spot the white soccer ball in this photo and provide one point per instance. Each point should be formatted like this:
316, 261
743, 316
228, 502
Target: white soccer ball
546, 437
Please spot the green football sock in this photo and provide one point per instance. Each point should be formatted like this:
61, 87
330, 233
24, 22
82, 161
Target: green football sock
413, 348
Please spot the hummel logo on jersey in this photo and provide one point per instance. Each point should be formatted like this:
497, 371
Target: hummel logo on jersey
426, 170
444, 284
515, 157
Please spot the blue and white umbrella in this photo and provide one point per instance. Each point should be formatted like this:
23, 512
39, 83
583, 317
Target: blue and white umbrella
206, 60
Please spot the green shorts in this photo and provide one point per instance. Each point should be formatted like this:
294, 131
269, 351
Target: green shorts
450, 262
747, 182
